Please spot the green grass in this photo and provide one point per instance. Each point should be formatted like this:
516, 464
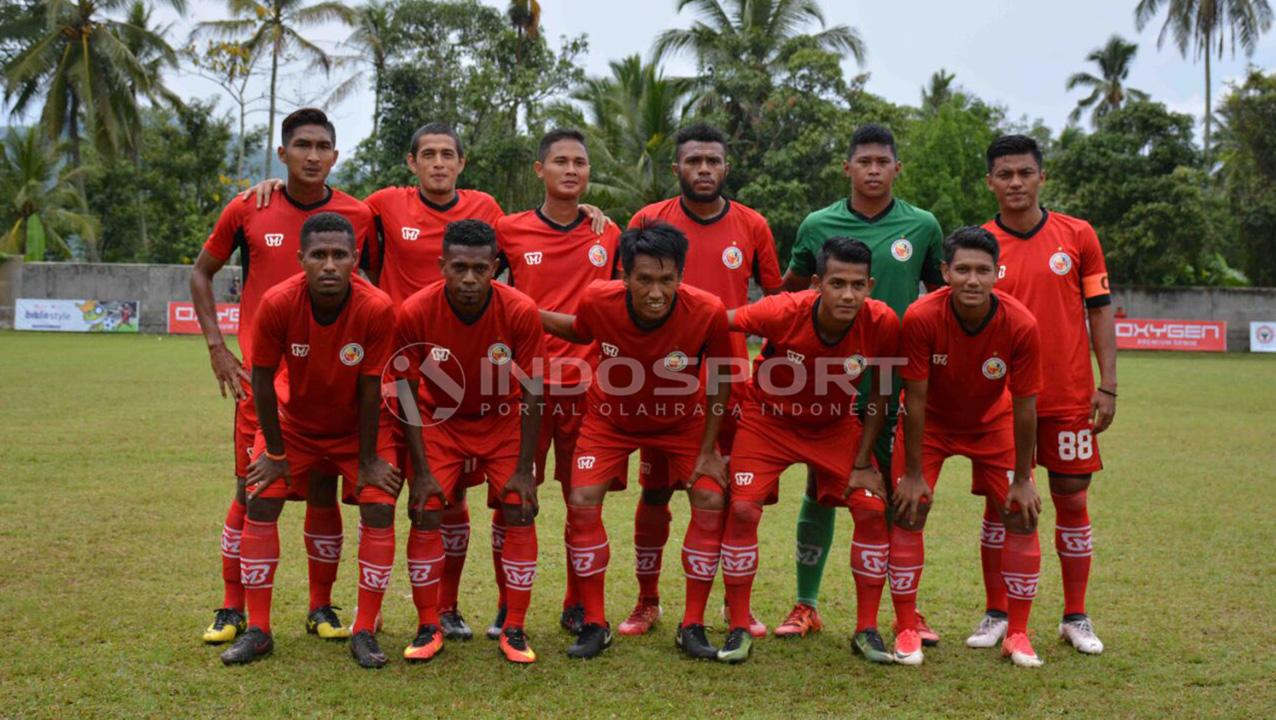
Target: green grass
115, 471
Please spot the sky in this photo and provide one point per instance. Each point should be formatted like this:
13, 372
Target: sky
1016, 53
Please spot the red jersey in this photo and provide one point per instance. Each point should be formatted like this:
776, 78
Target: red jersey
1057, 270
324, 362
410, 234
824, 389
269, 239
467, 369
648, 378
972, 375
554, 264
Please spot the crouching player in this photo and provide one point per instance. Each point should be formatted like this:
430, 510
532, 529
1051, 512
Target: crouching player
472, 353
334, 332
970, 388
799, 407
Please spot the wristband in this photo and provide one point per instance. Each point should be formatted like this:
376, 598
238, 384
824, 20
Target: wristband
277, 458
1106, 392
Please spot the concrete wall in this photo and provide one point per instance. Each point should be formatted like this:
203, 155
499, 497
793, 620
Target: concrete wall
1238, 307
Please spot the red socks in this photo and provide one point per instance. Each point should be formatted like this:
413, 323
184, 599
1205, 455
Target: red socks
870, 554
425, 567
259, 556
740, 559
232, 532
571, 596
519, 563
589, 552
701, 549
992, 536
907, 557
1021, 566
651, 532
376, 560
455, 531
1073, 543
498, 545
323, 548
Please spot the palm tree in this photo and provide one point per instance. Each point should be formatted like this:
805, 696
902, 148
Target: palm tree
274, 26
1203, 26
1107, 89
371, 23
938, 91
40, 204
138, 36
753, 31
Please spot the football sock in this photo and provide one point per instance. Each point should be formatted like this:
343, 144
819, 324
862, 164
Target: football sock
259, 556
1073, 542
519, 562
814, 538
589, 552
232, 532
498, 545
1021, 566
651, 532
992, 536
376, 560
907, 556
455, 531
571, 596
870, 553
701, 549
425, 566
323, 550
740, 559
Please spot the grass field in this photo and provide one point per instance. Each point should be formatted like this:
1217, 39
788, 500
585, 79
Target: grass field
114, 479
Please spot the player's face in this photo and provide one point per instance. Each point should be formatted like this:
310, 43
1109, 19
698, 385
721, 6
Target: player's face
701, 169
436, 164
565, 170
971, 275
652, 284
872, 169
468, 273
328, 262
843, 289
1016, 181
309, 154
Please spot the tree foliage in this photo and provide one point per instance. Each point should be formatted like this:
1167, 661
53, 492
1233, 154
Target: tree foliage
41, 208
1247, 141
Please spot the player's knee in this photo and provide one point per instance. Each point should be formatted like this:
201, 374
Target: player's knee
513, 515
265, 509
377, 515
425, 519
587, 496
1068, 484
706, 495
659, 496
867, 508
745, 513
1014, 523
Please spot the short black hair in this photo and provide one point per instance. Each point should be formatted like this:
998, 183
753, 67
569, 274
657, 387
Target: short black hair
1013, 145
469, 233
844, 249
436, 128
872, 134
325, 222
658, 240
306, 116
699, 132
971, 237
555, 135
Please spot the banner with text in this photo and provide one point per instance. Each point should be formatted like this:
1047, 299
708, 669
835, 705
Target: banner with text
182, 320
60, 315
1180, 335
1262, 336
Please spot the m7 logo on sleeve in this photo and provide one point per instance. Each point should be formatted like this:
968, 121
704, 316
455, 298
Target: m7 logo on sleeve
274, 239
411, 234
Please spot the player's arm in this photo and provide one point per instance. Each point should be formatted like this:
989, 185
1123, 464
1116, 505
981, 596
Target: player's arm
912, 490
373, 469
864, 475
562, 325
262, 191
709, 463
1022, 490
226, 367
1103, 339
272, 464
598, 220
423, 484
523, 481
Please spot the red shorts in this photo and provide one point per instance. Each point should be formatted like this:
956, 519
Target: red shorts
602, 453
246, 420
461, 449
653, 468
308, 456
992, 455
765, 446
1067, 444
560, 425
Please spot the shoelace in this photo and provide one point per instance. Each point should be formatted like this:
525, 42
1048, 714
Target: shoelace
516, 639
798, 615
1085, 626
328, 614
225, 616
424, 636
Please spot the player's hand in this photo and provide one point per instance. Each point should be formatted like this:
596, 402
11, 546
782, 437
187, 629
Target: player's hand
524, 484
1102, 410
909, 495
262, 191
229, 371
598, 222
1023, 492
263, 472
866, 479
423, 487
381, 475
710, 465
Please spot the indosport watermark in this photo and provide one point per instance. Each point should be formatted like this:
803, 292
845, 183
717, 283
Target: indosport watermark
674, 385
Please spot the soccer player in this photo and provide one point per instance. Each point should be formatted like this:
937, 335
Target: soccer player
906, 243
728, 243
1054, 265
268, 240
553, 255
799, 407
650, 334
467, 345
970, 388
334, 332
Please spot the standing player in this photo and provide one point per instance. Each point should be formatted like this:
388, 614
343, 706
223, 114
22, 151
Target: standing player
466, 345
268, 240
651, 334
727, 244
334, 332
981, 349
906, 243
553, 256
1054, 265
799, 407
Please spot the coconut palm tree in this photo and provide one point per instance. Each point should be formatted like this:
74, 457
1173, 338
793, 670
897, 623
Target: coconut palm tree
40, 203
753, 31
371, 23
139, 37
1107, 89
1203, 27
938, 91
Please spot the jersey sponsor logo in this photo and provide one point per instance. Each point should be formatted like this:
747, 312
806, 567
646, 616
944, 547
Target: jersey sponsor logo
855, 365
809, 555
254, 574
440, 354
586, 462
598, 256
874, 561
1061, 263
411, 234
374, 578
743, 478
273, 239
676, 361
351, 354
939, 360
795, 356
300, 349
610, 350
994, 368
499, 353
533, 258
733, 257
902, 249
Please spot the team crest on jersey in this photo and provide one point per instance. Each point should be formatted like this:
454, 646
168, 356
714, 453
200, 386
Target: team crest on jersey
533, 258
352, 354
274, 239
855, 365
300, 350
994, 368
1061, 263
902, 249
498, 353
610, 350
676, 361
598, 256
411, 234
733, 257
